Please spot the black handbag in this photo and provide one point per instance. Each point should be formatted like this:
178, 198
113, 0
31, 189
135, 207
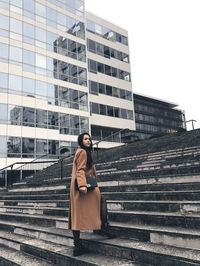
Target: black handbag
91, 183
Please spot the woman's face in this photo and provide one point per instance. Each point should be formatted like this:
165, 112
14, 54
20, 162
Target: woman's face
86, 141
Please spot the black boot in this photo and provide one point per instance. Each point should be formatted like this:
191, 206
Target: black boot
78, 248
104, 231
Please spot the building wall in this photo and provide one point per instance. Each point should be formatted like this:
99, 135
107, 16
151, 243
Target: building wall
45, 79
111, 108
43, 73
154, 117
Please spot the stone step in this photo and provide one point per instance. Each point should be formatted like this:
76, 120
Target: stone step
58, 254
125, 186
35, 203
60, 207
125, 179
45, 220
160, 206
144, 252
42, 189
192, 195
109, 186
36, 210
40, 196
13, 257
183, 220
186, 238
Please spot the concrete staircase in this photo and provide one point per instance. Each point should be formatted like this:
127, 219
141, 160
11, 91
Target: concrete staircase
153, 196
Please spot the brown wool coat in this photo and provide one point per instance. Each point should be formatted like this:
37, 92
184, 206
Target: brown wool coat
84, 213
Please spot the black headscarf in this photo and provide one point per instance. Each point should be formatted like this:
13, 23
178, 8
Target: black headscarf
87, 149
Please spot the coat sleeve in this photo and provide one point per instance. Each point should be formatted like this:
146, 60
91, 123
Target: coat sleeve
81, 162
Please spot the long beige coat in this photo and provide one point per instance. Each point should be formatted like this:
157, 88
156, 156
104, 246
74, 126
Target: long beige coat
84, 213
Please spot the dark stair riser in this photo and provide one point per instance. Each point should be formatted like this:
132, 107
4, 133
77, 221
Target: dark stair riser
28, 219
151, 187
161, 220
155, 196
36, 197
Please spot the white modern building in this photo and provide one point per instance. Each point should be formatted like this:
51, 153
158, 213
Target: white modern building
63, 71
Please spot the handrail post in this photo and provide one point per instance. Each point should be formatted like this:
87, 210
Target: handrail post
61, 168
97, 151
6, 178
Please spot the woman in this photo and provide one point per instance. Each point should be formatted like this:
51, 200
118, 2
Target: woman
84, 211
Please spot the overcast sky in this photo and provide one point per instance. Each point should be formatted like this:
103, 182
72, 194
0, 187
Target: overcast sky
164, 43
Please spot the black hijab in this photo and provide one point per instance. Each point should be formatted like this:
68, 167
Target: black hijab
87, 149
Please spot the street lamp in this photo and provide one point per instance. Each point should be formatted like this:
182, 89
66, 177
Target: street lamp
191, 120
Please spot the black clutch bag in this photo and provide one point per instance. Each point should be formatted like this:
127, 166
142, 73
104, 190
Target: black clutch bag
91, 183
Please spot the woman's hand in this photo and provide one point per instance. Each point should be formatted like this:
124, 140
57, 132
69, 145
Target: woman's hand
83, 190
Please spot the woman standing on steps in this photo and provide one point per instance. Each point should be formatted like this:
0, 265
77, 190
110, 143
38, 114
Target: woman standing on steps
84, 211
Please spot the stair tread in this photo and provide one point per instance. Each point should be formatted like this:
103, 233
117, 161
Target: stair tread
175, 214
20, 258
118, 242
64, 250
157, 228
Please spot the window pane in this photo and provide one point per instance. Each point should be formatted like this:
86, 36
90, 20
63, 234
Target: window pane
102, 88
103, 110
41, 146
115, 92
28, 57
92, 66
3, 50
94, 87
15, 25
53, 147
15, 83
15, 53
28, 147
123, 113
109, 90
40, 34
95, 108
100, 67
29, 86
41, 61
110, 110
107, 70
14, 115
14, 147
3, 80
4, 22
3, 145
3, 113
41, 88
28, 116
40, 10
29, 30
84, 123
92, 45
52, 120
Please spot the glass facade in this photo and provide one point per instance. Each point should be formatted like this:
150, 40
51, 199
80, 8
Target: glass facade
18, 147
44, 46
96, 67
31, 117
106, 51
108, 110
96, 88
105, 32
156, 117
